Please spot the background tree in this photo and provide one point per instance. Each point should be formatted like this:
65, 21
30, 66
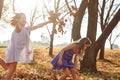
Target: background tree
58, 27
56, 7
78, 17
13, 4
52, 15
105, 17
1, 6
8, 10
110, 40
34, 14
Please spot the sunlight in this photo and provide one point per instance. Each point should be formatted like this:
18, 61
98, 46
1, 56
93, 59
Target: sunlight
25, 5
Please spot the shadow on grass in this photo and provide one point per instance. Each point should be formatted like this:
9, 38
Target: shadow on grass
104, 75
101, 75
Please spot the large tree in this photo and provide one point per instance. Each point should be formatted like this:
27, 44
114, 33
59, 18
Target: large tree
92, 28
89, 60
1, 6
105, 16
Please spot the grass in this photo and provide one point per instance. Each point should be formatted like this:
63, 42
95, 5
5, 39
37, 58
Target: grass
109, 69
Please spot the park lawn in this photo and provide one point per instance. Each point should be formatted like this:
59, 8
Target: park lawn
109, 69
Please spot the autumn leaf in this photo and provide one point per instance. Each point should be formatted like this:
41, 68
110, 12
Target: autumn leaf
74, 11
53, 16
54, 31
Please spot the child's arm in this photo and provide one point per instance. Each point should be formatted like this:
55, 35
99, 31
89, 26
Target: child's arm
75, 61
71, 46
38, 26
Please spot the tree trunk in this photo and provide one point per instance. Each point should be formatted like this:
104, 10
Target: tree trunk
92, 19
105, 22
51, 42
1, 6
109, 29
101, 55
89, 60
78, 20
51, 46
56, 7
111, 46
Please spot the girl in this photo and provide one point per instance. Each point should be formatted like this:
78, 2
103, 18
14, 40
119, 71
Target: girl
63, 60
19, 49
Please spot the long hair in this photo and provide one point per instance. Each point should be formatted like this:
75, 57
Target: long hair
13, 21
83, 41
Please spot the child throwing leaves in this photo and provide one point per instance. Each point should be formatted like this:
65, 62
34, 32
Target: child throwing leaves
19, 49
63, 59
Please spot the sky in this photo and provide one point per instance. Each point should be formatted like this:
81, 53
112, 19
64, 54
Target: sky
24, 6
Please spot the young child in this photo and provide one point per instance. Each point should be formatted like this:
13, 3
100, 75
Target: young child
19, 49
63, 59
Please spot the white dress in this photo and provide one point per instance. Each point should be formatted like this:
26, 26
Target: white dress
20, 48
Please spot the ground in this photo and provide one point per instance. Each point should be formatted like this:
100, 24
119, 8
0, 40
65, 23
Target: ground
108, 69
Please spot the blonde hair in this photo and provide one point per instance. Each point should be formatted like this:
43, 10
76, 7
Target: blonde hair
83, 41
14, 19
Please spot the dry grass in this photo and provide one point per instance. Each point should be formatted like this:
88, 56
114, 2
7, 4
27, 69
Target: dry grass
109, 69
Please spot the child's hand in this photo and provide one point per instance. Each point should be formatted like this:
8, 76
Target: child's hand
59, 63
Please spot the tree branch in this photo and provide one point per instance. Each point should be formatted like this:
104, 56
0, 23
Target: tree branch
109, 12
68, 6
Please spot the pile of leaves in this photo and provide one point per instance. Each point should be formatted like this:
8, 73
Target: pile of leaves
40, 69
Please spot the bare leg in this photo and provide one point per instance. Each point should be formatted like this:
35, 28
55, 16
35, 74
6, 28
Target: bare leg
53, 75
66, 73
11, 70
3, 64
74, 73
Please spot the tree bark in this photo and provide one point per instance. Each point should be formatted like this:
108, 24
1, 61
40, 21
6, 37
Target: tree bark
92, 19
111, 46
1, 6
78, 20
51, 46
102, 49
101, 55
89, 60
52, 35
51, 42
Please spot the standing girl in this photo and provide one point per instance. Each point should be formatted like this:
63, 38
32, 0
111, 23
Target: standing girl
64, 58
19, 49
